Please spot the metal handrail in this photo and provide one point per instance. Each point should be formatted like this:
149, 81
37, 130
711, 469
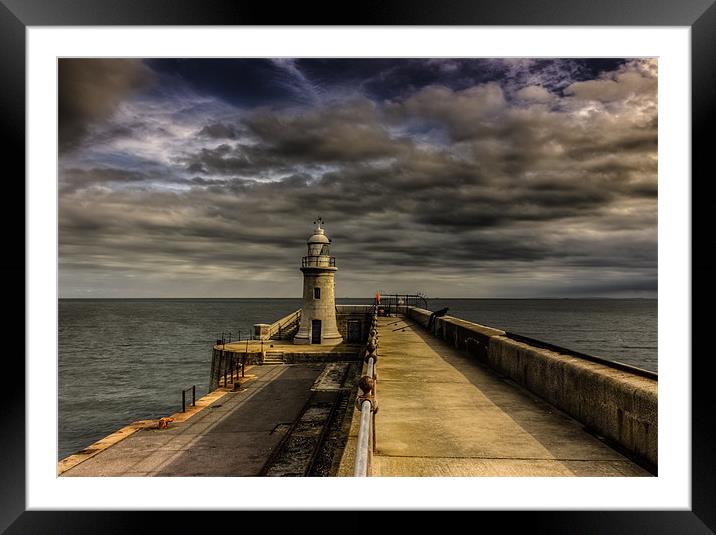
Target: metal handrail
402, 300
368, 407
291, 320
364, 433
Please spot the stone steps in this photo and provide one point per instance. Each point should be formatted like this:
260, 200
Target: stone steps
273, 357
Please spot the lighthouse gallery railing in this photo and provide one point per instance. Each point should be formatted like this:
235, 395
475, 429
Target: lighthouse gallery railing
318, 261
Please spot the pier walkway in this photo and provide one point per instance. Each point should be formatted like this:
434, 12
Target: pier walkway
443, 414
234, 436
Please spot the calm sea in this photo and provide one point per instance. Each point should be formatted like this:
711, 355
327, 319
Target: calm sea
122, 360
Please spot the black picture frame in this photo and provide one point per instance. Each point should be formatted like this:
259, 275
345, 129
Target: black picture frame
699, 15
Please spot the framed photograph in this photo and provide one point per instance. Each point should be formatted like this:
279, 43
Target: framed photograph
507, 154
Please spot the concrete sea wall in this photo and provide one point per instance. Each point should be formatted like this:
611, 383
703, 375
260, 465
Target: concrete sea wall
286, 327
615, 403
223, 360
359, 313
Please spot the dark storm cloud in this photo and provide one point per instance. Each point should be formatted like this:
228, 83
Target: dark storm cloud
387, 79
338, 133
221, 159
89, 90
345, 131
281, 82
525, 175
77, 179
218, 131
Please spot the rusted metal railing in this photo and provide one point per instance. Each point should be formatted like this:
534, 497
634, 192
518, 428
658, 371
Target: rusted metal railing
183, 397
367, 404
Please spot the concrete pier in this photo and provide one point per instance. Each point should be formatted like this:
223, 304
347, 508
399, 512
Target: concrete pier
233, 437
454, 399
235, 434
442, 413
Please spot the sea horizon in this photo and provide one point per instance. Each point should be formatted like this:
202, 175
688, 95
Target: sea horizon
371, 299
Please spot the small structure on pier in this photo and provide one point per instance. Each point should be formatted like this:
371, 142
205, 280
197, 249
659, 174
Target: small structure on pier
318, 314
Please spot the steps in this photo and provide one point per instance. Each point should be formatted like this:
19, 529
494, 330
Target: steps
273, 357
287, 333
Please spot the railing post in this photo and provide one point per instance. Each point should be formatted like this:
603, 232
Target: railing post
193, 395
183, 400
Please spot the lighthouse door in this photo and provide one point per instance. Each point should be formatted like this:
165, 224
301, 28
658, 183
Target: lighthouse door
316, 331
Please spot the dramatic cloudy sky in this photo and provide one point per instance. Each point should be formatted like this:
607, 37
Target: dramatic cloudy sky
458, 178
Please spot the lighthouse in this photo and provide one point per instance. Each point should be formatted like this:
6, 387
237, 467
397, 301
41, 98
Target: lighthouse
318, 315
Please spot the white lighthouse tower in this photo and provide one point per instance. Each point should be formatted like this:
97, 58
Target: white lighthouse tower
318, 316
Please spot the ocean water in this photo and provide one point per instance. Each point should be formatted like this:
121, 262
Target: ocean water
623, 330
122, 360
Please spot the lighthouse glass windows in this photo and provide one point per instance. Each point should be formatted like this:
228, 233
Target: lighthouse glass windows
318, 249
316, 293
